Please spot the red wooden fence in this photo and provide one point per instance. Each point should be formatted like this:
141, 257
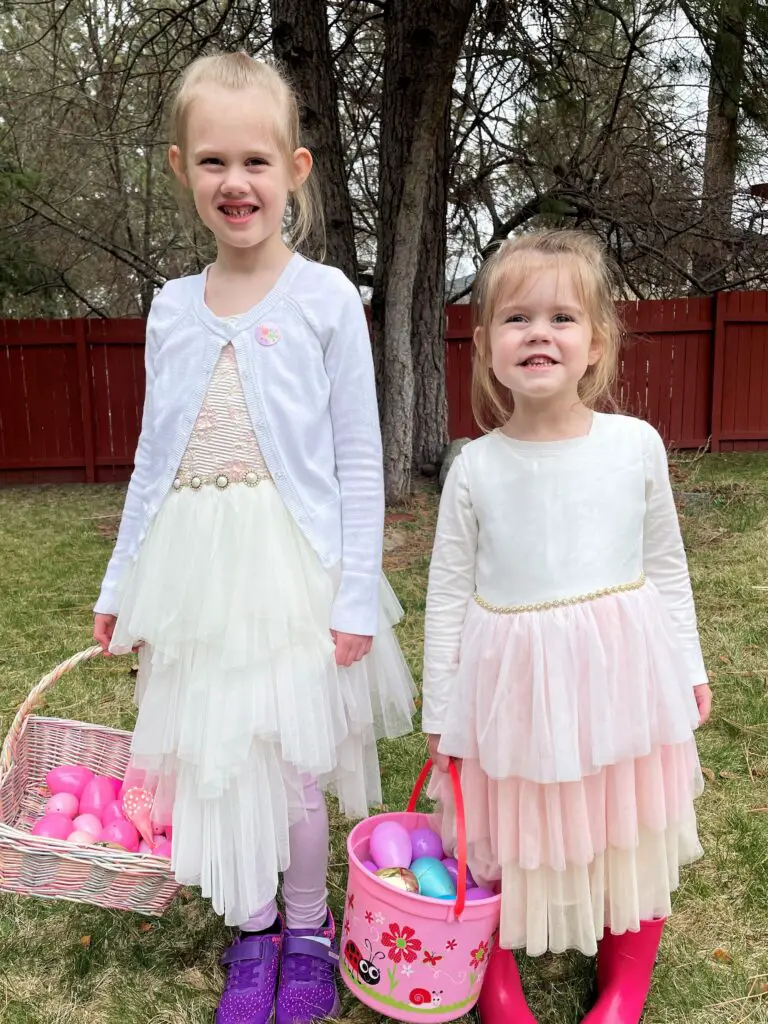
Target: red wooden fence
71, 390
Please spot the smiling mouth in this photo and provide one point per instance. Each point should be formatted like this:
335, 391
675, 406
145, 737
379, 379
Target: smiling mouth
238, 211
538, 361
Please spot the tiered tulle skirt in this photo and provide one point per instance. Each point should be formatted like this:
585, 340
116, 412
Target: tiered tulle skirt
575, 726
239, 694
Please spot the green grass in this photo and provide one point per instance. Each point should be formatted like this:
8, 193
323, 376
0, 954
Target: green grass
62, 963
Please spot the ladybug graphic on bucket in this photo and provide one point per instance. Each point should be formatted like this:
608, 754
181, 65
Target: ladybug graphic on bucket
365, 969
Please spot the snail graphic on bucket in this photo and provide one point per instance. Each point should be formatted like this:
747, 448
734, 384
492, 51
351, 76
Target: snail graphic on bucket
406, 955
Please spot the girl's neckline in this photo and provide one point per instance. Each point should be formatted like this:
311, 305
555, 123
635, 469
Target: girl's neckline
557, 447
224, 325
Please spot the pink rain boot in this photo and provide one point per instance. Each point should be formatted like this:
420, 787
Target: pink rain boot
624, 967
501, 997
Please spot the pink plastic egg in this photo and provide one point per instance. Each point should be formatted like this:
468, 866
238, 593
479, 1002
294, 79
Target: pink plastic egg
88, 823
163, 849
426, 843
96, 795
451, 865
169, 831
145, 847
117, 784
390, 845
112, 812
62, 803
122, 833
479, 892
68, 778
81, 838
370, 866
53, 826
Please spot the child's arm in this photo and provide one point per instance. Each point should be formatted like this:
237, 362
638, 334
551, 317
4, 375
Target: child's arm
666, 565
357, 445
451, 586
134, 510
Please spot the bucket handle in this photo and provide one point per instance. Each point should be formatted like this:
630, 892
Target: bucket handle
461, 829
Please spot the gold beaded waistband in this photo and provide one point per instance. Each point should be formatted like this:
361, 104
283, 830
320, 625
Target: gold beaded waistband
220, 480
561, 602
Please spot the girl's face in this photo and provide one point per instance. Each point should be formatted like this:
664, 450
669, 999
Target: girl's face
239, 178
541, 338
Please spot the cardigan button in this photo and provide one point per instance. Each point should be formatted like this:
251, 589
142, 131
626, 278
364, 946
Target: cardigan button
196, 482
222, 481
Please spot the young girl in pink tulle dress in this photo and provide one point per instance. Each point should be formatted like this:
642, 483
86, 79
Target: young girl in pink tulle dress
562, 658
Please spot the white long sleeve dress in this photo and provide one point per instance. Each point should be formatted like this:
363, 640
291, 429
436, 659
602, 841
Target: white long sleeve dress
561, 652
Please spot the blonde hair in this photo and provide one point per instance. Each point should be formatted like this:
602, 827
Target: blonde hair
238, 71
511, 266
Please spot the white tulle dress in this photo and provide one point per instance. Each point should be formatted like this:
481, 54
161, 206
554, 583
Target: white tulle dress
561, 655
238, 691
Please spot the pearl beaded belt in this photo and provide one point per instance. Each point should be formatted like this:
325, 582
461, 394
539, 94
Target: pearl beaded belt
561, 602
220, 480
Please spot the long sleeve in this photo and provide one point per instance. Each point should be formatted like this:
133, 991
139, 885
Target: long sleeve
134, 511
357, 446
451, 586
664, 557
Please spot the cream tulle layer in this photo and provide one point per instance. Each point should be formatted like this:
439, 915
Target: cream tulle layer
575, 858
580, 768
238, 691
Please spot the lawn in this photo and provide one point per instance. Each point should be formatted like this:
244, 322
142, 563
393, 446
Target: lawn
62, 963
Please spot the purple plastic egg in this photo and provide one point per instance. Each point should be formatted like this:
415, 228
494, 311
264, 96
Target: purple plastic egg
479, 892
53, 826
390, 846
62, 803
370, 866
426, 843
451, 865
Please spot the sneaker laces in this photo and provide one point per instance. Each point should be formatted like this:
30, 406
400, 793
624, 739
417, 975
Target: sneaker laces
303, 967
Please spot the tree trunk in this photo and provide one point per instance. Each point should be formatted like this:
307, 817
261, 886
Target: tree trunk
301, 43
721, 152
422, 44
430, 412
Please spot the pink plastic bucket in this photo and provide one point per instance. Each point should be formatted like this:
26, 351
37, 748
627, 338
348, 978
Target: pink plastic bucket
407, 956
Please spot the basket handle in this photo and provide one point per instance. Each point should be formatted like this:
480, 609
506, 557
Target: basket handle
35, 700
461, 828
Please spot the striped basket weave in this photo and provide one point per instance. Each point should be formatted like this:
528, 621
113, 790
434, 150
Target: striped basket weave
35, 866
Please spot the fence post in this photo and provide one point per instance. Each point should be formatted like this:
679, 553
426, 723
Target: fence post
86, 402
718, 369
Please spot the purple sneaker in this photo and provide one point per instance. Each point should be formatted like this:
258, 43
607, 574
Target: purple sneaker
307, 990
252, 968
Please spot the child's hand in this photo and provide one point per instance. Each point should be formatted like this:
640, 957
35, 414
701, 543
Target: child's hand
703, 695
440, 761
350, 647
103, 628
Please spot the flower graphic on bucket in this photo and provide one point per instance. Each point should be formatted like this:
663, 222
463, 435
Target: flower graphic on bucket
402, 943
478, 956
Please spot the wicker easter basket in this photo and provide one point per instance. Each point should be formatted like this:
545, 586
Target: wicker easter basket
51, 868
